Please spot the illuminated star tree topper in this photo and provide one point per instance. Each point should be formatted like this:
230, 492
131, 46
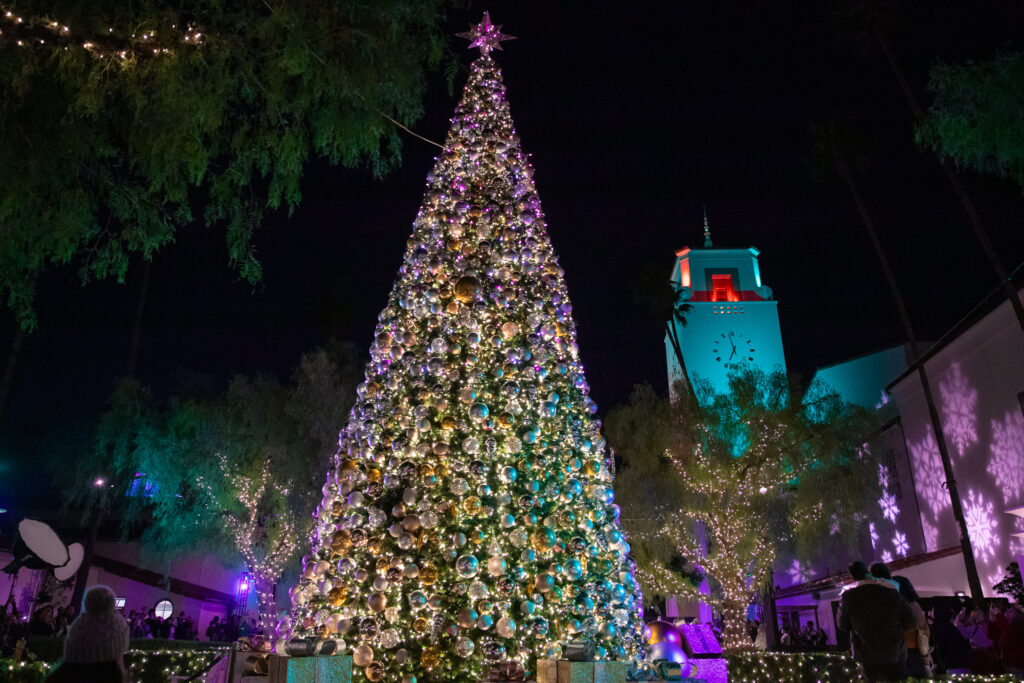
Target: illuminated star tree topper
485, 35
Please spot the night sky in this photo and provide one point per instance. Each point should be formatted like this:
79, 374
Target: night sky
635, 116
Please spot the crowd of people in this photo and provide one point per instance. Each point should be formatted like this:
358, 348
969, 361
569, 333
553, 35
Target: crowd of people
57, 622
147, 624
231, 629
893, 637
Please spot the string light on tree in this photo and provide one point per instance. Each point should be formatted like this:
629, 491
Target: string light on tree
747, 468
264, 531
470, 517
28, 31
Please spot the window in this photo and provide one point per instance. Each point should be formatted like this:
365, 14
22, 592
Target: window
141, 486
164, 609
722, 288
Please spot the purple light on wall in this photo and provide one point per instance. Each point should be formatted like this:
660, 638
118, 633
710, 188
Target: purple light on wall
700, 639
1006, 464
710, 670
958, 409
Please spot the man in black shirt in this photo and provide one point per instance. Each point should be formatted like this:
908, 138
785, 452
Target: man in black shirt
878, 618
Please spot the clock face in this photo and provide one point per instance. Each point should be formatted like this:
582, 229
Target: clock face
733, 348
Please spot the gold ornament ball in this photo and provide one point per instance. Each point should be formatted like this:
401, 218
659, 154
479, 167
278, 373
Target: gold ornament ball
428, 576
542, 539
466, 288
509, 330
336, 596
471, 505
420, 625
378, 601
362, 655
430, 657
375, 671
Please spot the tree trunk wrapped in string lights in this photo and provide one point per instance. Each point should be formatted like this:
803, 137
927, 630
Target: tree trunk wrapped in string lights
262, 526
470, 517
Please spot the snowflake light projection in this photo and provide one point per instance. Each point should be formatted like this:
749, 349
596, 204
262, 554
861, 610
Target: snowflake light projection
889, 506
1016, 542
886, 556
899, 542
1007, 450
883, 476
995, 577
874, 535
958, 402
1016, 546
929, 474
833, 525
980, 524
798, 573
931, 535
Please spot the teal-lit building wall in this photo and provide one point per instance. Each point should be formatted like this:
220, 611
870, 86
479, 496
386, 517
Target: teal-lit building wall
862, 380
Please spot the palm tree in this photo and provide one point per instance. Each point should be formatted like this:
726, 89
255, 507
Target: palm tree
664, 303
837, 145
863, 22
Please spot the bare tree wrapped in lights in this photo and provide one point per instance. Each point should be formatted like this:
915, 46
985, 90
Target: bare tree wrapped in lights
469, 519
263, 526
744, 476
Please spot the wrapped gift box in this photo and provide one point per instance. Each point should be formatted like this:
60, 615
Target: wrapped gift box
335, 669
575, 672
547, 671
610, 672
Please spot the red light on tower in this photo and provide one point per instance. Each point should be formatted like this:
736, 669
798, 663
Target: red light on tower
722, 288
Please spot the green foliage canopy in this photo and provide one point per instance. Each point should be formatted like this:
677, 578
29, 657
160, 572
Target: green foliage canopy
977, 118
764, 469
188, 445
106, 152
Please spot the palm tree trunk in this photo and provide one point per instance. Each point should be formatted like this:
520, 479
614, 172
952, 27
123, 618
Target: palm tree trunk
940, 438
689, 394
12, 363
954, 180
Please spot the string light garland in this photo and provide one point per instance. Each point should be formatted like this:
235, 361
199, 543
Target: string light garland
152, 666
469, 518
12, 671
823, 667
144, 666
35, 31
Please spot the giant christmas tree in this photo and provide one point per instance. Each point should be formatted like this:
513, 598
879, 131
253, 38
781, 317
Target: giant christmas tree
470, 518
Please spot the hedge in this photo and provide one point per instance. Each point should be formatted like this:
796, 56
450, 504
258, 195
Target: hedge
815, 667
154, 662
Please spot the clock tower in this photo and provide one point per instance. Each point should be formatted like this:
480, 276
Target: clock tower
733, 320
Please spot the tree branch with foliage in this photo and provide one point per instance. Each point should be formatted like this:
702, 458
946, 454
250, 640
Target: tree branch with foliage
977, 117
120, 123
737, 480
233, 474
